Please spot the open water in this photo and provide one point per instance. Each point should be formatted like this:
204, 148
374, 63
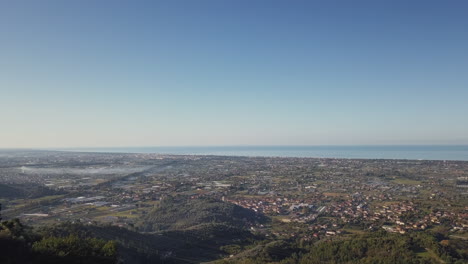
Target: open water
414, 152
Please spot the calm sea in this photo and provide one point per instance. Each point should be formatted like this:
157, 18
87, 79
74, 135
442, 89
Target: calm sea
363, 152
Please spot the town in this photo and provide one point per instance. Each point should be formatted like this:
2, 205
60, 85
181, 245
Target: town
306, 198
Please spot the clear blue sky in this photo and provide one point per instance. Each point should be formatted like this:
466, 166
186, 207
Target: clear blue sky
152, 73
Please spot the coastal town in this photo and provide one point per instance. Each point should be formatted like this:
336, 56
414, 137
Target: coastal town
307, 198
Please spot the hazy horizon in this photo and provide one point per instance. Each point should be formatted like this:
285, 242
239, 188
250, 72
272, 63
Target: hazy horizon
228, 73
228, 146
394, 152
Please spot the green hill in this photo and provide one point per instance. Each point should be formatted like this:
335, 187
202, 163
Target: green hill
14, 191
20, 244
196, 244
373, 247
7, 191
182, 213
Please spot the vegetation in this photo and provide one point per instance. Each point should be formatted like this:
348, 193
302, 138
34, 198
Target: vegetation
178, 231
205, 210
374, 247
182, 213
19, 244
194, 241
12, 191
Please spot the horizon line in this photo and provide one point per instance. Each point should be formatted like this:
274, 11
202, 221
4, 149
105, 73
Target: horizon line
240, 145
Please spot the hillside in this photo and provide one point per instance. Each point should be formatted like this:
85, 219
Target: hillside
14, 191
195, 244
7, 191
178, 231
373, 247
20, 244
179, 214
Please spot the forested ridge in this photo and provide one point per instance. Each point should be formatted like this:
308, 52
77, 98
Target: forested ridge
25, 191
180, 213
21, 244
372, 247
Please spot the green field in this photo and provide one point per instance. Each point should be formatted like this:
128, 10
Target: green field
406, 181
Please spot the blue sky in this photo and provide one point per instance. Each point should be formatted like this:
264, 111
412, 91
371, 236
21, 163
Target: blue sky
164, 73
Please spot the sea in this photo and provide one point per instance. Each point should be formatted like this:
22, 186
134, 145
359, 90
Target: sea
408, 152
